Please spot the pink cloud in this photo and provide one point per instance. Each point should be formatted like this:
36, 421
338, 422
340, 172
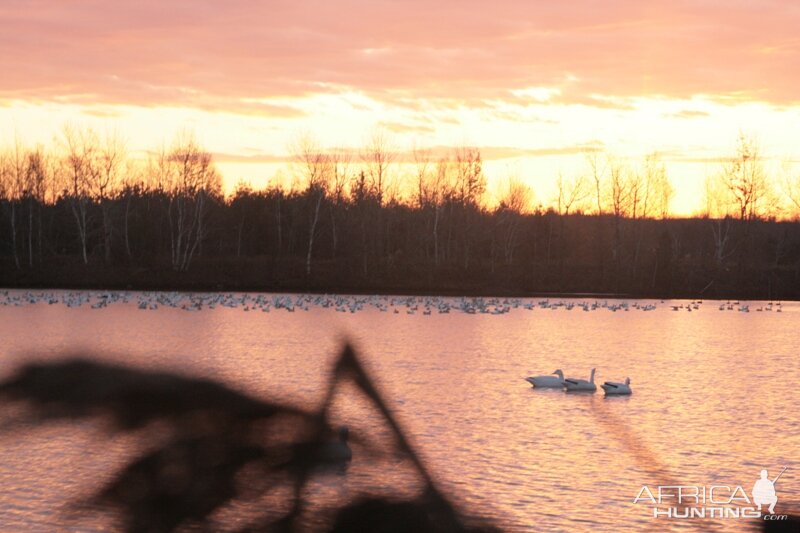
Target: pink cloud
213, 55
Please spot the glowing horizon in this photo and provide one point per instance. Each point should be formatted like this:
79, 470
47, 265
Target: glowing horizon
531, 85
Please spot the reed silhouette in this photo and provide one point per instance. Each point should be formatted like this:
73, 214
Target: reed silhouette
214, 435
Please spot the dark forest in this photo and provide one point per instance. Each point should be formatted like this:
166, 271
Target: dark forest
85, 219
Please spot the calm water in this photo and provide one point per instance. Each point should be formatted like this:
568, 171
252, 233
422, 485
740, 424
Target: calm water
715, 400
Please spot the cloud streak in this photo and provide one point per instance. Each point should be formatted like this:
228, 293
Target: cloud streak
432, 154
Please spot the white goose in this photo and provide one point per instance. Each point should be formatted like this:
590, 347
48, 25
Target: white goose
547, 382
582, 385
616, 388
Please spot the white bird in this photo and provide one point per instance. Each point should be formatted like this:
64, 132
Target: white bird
575, 385
616, 388
547, 382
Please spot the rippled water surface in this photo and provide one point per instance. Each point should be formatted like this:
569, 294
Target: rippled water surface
715, 398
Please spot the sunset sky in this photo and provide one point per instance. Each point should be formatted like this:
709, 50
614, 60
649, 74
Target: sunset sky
533, 84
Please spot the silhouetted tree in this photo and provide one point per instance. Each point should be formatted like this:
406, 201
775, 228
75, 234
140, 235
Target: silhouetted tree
84, 196
191, 183
80, 171
318, 169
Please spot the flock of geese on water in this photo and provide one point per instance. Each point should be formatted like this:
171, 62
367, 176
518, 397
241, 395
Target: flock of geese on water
730, 306
558, 381
424, 305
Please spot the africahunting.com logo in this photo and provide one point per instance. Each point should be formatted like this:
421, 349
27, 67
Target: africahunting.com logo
715, 501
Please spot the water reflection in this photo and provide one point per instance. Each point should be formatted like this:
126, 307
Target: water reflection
715, 399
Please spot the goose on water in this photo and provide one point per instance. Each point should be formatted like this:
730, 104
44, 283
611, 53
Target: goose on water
582, 385
547, 382
617, 388
335, 453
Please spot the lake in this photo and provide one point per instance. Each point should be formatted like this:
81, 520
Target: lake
715, 395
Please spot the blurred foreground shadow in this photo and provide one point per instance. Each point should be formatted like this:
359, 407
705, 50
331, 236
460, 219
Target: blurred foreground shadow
208, 438
215, 436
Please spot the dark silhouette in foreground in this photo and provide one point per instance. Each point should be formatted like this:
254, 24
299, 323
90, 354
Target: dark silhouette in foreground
212, 446
214, 438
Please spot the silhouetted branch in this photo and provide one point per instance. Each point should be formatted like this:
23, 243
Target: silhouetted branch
203, 438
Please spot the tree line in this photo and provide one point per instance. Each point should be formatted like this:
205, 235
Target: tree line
84, 212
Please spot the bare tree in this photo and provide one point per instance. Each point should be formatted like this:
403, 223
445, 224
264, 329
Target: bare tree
621, 189
597, 162
515, 200
5, 184
746, 180
742, 190
468, 187
37, 178
649, 193
278, 194
133, 183
423, 164
791, 189
659, 188
340, 164
442, 189
317, 168
80, 169
431, 191
639, 186
470, 181
423, 196
718, 209
192, 181
377, 157
112, 155
571, 193
12, 175
650, 187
